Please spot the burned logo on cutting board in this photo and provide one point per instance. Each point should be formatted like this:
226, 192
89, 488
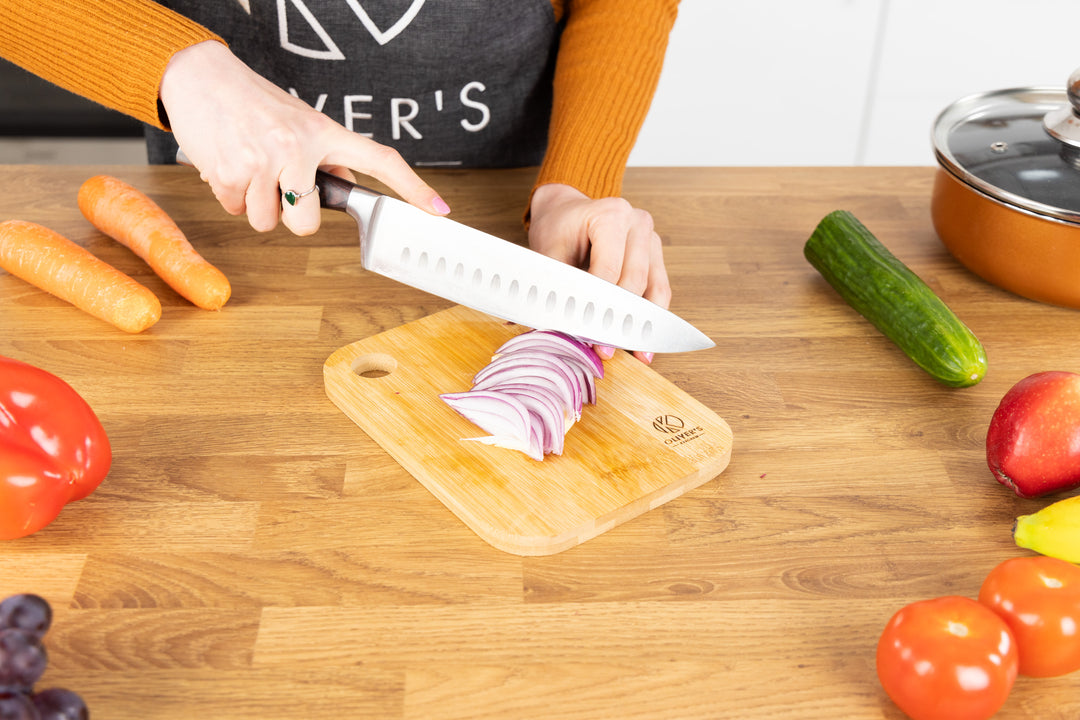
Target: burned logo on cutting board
679, 432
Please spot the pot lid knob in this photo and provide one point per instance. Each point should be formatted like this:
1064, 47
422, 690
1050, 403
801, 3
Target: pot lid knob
1064, 122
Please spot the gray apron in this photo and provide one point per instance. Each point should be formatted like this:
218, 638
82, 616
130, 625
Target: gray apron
450, 83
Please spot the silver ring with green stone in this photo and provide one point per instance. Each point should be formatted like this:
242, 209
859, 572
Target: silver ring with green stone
291, 196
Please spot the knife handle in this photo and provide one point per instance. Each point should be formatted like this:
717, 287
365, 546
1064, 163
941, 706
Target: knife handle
338, 194
333, 191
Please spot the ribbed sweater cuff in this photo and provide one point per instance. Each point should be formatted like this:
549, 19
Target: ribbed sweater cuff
113, 51
609, 65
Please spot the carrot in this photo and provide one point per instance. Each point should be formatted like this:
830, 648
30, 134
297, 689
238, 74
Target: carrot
48, 260
131, 218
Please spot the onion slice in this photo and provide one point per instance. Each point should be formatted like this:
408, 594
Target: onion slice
531, 392
552, 421
557, 343
556, 374
502, 415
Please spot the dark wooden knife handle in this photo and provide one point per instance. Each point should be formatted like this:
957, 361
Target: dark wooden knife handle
333, 191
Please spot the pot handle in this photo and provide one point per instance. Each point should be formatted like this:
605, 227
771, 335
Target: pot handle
1063, 123
1072, 90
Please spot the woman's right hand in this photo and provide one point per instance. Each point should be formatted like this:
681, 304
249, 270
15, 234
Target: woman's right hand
251, 141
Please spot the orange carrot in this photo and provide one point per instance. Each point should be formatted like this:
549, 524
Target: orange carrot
131, 218
47, 259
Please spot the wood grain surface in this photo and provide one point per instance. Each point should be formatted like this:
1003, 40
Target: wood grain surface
252, 555
616, 464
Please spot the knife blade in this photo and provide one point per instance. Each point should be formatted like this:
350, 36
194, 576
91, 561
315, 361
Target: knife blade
500, 278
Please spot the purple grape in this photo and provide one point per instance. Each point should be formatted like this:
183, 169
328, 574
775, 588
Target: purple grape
22, 658
17, 706
60, 704
27, 612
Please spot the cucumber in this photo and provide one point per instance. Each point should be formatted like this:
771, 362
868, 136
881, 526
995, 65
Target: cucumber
899, 304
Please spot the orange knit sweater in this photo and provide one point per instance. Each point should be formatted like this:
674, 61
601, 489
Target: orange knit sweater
611, 52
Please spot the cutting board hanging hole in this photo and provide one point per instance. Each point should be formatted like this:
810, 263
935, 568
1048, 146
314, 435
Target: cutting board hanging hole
374, 365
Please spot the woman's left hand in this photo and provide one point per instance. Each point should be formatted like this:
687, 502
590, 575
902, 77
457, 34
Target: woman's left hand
608, 237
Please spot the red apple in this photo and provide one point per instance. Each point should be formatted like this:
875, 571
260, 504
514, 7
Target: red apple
1033, 443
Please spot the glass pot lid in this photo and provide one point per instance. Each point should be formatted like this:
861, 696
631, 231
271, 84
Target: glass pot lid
1019, 146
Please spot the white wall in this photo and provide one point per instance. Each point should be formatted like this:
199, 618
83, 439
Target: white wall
841, 82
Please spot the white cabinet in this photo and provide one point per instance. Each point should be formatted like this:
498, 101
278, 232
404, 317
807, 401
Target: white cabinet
841, 82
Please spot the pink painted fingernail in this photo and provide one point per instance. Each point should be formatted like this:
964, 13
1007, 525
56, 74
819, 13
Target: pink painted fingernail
440, 205
605, 352
648, 357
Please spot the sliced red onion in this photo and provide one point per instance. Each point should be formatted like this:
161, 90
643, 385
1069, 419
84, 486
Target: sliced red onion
503, 416
533, 359
534, 446
564, 420
567, 387
524, 357
531, 392
547, 393
545, 407
588, 385
543, 351
558, 343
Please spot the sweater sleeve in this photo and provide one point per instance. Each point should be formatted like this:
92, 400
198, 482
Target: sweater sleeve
610, 56
113, 52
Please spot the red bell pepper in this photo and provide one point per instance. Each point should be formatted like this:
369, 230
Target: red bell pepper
53, 448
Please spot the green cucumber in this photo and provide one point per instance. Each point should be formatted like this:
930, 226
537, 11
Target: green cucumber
899, 304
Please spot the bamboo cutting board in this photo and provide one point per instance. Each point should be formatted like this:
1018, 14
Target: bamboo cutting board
644, 443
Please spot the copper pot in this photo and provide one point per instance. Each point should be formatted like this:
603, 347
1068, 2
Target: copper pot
1006, 199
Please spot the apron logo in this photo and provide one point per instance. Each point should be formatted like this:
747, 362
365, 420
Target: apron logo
330, 50
382, 37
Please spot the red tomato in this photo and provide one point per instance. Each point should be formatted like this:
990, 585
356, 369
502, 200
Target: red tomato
950, 658
1039, 598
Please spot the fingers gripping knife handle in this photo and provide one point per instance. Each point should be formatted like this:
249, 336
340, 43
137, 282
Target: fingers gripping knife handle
339, 194
334, 193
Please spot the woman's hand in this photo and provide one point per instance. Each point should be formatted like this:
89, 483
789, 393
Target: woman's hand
251, 141
608, 237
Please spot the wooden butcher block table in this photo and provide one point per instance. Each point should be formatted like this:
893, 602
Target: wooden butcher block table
256, 552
